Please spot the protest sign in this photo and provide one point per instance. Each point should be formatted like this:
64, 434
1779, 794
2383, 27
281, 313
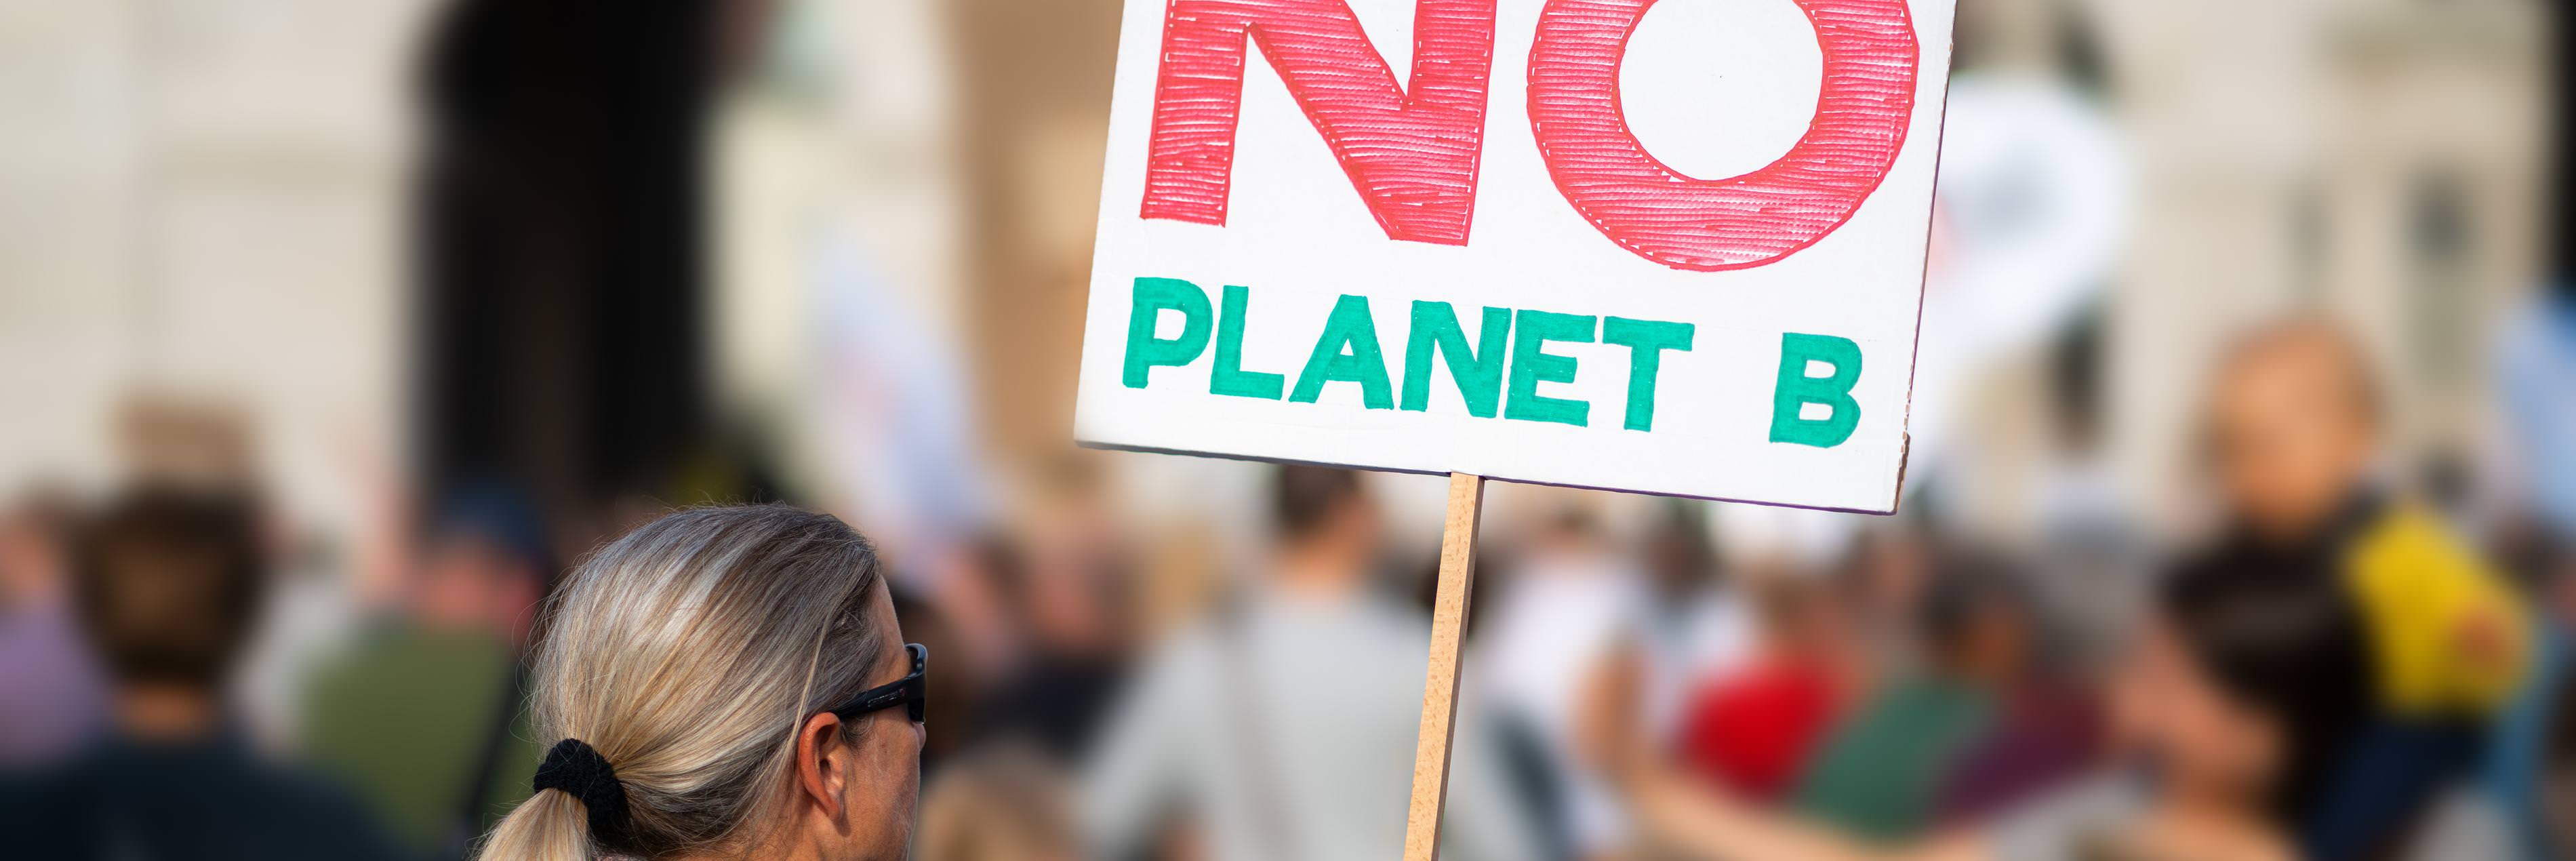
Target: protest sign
1462, 236
1672, 248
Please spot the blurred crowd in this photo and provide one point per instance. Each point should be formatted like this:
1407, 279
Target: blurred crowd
2341, 667
2340, 645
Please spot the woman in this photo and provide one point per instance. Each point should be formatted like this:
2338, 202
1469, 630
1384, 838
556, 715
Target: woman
2227, 705
724, 683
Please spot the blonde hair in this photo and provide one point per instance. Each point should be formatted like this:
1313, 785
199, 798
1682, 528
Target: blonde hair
687, 653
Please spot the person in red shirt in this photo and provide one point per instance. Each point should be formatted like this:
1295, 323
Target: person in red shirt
1750, 732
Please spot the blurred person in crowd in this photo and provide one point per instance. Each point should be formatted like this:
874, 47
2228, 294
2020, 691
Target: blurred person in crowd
1284, 728
1695, 621
1064, 596
442, 673
191, 441
2554, 797
1884, 594
52, 692
1750, 730
1674, 609
168, 584
1041, 597
1003, 804
1883, 770
966, 592
2223, 728
1572, 600
2530, 764
2293, 435
2533, 764
2046, 728
953, 708
724, 682
990, 788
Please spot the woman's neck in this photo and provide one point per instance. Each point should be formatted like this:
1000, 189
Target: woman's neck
770, 850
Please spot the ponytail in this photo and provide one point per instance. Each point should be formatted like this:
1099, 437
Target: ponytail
549, 826
675, 666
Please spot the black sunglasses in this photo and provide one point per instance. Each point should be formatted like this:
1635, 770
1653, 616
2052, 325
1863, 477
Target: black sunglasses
907, 691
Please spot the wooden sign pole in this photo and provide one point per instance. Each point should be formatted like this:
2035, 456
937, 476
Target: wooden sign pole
1440, 679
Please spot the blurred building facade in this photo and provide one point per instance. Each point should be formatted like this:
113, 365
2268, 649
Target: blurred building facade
208, 197
2380, 160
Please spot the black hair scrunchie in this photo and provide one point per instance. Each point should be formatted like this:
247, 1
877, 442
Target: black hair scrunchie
573, 767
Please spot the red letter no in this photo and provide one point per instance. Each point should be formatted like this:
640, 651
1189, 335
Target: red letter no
1412, 155
1867, 98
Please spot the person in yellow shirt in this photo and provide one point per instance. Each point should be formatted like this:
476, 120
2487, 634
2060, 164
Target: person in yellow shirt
2293, 428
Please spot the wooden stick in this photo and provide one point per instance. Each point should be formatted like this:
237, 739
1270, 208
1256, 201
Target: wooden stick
1440, 679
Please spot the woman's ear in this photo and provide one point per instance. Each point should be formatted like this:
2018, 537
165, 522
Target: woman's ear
822, 758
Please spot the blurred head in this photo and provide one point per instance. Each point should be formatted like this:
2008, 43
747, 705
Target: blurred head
466, 582
1680, 554
1980, 619
485, 566
2292, 424
1799, 614
929, 624
1316, 509
168, 584
1889, 571
697, 656
1068, 586
2239, 687
32, 563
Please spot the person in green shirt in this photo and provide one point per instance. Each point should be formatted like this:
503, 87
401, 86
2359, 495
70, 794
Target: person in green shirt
1879, 772
441, 674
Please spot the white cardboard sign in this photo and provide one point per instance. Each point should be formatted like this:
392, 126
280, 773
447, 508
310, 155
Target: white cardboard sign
1670, 247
